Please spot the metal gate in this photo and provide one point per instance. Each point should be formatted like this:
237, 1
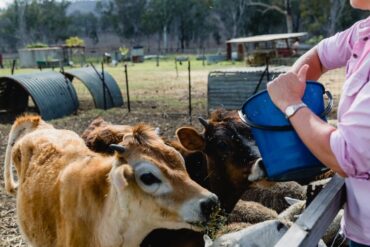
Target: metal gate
230, 88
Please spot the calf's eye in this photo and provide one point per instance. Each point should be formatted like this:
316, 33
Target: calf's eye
149, 179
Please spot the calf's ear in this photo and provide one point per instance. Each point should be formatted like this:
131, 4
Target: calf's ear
190, 139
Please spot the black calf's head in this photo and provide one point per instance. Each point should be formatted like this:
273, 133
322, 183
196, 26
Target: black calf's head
230, 150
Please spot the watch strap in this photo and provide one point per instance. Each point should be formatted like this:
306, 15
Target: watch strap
293, 109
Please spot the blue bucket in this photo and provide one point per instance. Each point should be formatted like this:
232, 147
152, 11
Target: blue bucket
284, 155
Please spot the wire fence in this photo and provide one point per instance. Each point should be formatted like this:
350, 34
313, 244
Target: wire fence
165, 88
168, 91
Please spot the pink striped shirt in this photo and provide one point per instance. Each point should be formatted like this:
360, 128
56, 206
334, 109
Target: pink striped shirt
351, 141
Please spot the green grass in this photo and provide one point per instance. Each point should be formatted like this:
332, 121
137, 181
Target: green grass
161, 87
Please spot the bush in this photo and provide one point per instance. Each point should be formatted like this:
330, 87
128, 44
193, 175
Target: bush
37, 45
314, 40
75, 41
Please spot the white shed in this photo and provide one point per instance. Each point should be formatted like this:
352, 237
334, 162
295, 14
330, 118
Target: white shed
33, 57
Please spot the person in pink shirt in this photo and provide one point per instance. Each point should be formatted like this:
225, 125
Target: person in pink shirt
345, 149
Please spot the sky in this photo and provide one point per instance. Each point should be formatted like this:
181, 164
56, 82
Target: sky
4, 3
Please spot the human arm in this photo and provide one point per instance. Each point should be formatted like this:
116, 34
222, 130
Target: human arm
288, 89
330, 53
345, 149
311, 58
316, 133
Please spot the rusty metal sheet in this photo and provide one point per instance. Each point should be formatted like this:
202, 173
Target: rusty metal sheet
92, 81
53, 94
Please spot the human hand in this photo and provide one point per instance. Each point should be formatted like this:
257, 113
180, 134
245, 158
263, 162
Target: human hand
288, 89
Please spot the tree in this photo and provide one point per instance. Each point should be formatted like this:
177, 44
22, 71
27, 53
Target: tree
108, 20
9, 26
192, 20
46, 20
84, 24
322, 17
232, 13
335, 13
27, 21
157, 19
126, 17
285, 10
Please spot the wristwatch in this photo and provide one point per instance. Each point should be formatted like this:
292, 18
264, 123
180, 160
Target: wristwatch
292, 109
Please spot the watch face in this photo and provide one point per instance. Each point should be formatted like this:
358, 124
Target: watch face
289, 111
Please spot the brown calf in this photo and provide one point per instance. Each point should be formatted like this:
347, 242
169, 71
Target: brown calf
100, 134
71, 196
220, 159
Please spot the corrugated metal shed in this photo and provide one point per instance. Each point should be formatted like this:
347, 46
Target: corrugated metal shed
91, 80
230, 88
53, 94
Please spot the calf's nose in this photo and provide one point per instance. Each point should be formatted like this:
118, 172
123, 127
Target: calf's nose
209, 205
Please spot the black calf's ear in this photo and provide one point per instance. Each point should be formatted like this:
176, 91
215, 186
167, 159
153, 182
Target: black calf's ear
190, 139
118, 148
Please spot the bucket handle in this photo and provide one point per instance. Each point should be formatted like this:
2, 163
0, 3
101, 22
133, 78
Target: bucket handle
244, 117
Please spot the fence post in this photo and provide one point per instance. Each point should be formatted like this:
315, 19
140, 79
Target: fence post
189, 72
127, 90
203, 57
13, 66
103, 80
177, 70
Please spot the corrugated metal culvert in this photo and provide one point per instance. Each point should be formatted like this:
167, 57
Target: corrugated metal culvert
94, 84
230, 88
53, 94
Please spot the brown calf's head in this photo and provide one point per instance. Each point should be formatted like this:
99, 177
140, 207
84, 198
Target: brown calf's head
151, 179
231, 154
100, 134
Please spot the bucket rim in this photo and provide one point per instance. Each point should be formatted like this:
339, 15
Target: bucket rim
289, 127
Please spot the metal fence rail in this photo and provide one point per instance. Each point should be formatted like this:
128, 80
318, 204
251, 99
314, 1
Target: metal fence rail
316, 218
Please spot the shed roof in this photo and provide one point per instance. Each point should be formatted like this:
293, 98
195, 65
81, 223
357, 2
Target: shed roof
265, 37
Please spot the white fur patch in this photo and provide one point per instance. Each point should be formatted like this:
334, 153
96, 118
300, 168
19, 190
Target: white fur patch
257, 172
191, 212
157, 189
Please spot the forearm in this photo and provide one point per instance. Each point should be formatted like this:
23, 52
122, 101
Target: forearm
315, 134
312, 59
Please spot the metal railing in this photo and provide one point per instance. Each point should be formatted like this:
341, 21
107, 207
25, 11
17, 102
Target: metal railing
311, 225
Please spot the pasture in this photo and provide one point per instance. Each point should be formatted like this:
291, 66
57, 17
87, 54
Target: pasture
159, 96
